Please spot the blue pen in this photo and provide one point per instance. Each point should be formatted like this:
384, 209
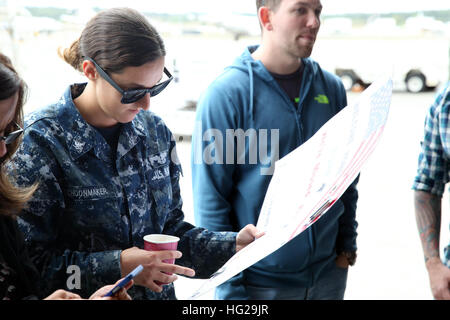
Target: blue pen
125, 281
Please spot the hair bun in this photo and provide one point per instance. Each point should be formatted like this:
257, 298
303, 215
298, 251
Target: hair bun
72, 55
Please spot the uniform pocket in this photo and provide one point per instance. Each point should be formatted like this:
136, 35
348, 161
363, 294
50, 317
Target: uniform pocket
92, 206
92, 218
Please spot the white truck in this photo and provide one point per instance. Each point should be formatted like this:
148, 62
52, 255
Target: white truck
414, 62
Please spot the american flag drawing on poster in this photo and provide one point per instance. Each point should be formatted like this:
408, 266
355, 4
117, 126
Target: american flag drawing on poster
308, 181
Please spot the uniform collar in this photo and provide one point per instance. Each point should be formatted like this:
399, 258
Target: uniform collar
82, 137
132, 132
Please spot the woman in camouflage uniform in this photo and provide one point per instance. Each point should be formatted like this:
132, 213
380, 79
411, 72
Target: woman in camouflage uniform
18, 276
108, 172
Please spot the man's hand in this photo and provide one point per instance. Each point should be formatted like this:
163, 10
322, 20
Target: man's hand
342, 261
439, 279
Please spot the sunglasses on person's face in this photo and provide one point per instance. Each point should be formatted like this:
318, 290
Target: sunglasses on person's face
133, 95
11, 137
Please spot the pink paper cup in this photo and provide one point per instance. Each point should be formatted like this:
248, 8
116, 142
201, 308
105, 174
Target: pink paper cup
161, 242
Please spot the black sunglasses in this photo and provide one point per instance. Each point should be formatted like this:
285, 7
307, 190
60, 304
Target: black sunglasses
11, 137
133, 95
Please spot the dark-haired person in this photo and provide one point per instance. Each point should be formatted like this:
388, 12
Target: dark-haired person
18, 276
274, 87
108, 172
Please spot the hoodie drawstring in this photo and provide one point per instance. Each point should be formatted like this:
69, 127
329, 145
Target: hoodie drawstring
250, 74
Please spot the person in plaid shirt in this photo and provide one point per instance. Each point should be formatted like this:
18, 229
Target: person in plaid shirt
432, 175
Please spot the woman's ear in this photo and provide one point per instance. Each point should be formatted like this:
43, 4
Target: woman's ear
89, 70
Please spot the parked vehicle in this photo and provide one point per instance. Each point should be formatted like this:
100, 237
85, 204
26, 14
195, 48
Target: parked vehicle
414, 62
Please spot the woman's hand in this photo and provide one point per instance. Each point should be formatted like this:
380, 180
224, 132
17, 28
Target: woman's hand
120, 295
155, 269
63, 295
247, 235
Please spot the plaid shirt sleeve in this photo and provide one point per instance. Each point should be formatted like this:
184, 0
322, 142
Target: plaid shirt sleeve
434, 160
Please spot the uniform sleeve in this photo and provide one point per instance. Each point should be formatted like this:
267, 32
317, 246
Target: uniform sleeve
433, 166
41, 223
203, 250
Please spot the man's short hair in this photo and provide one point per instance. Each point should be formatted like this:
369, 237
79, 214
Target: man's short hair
272, 4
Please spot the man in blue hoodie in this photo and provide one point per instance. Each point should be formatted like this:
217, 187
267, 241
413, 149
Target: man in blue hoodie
269, 102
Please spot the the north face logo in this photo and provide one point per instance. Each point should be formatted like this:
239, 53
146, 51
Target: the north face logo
321, 98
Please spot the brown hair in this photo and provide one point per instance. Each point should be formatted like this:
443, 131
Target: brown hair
12, 199
115, 39
272, 4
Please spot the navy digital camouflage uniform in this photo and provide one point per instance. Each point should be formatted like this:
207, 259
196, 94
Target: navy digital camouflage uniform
87, 209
